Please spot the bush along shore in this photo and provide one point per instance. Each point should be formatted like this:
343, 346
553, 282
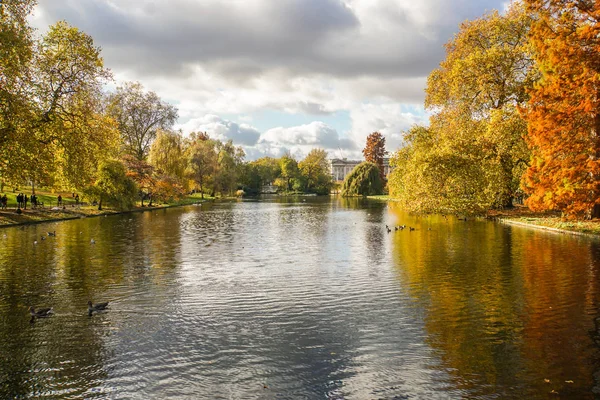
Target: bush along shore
49, 209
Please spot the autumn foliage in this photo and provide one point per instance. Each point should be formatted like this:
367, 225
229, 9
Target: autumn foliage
564, 111
374, 152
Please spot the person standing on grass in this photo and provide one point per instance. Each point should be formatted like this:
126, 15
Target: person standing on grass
25, 202
59, 202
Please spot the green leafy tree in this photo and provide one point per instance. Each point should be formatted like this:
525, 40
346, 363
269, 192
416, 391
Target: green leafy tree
314, 170
363, 180
113, 186
139, 115
167, 154
228, 168
201, 159
289, 170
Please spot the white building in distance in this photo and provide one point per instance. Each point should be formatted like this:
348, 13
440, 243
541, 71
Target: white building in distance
341, 167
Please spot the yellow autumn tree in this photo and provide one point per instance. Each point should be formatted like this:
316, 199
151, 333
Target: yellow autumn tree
472, 156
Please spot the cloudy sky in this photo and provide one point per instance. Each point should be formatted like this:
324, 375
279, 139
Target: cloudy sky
277, 75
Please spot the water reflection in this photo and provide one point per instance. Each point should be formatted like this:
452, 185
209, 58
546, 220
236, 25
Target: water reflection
296, 298
509, 309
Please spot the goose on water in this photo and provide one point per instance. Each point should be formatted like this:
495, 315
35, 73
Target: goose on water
96, 307
52, 233
41, 313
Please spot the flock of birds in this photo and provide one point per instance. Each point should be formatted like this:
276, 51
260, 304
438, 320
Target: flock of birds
400, 228
43, 237
410, 228
46, 312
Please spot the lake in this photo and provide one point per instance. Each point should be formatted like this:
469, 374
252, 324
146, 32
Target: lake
298, 298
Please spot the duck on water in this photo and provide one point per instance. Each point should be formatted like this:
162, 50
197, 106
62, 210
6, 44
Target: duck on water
96, 307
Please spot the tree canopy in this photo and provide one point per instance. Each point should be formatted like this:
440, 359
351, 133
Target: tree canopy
139, 115
564, 110
473, 154
364, 180
375, 151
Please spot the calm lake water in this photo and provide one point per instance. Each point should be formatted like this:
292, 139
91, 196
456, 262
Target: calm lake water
298, 299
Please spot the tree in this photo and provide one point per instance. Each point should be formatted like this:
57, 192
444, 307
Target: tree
314, 170
429, 177
289, 170
53, 127
364, 180
16, 53
564, 110
228, 168
139, 116
142, 174
201, 160
476, 94
374, 152
167, 154
113, 186
472, 156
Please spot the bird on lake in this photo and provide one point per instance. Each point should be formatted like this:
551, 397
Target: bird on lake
410, 228
35, 242
52, 233
92, 241
41, 313
43, 237
96, 307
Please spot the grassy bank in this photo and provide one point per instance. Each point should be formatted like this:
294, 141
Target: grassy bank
50, 211
547, 220
384, 197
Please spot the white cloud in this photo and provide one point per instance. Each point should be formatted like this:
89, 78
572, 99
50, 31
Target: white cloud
388, 119
221, 129
368, 59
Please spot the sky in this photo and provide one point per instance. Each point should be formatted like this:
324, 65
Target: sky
277, 76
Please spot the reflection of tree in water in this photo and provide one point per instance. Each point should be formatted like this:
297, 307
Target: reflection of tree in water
35, 358
505, 307
66, 352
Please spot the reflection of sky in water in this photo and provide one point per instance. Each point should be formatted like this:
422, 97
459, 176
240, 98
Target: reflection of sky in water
313, 299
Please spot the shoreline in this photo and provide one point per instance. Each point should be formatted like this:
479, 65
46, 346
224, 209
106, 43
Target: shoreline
545, 222
93, 215
561, 231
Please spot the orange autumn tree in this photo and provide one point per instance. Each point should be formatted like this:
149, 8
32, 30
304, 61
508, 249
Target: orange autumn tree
375, 151
564, 108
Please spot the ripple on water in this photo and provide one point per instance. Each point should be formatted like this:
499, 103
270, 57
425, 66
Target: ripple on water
285, 300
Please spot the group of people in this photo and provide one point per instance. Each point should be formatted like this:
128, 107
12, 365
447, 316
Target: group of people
22, 200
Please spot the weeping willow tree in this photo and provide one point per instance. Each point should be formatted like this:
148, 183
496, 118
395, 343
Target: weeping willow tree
364, 180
